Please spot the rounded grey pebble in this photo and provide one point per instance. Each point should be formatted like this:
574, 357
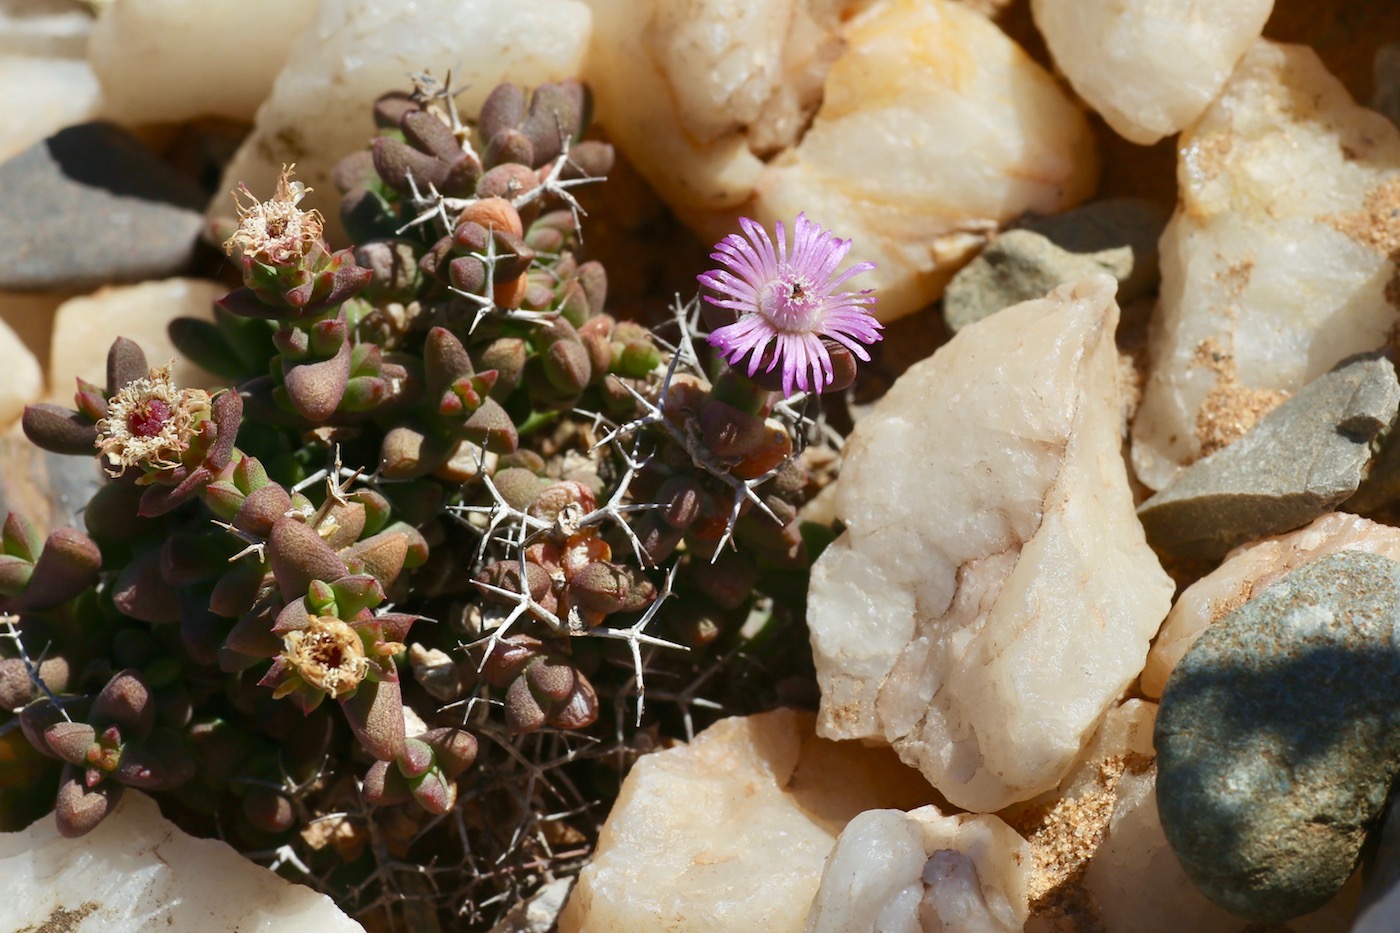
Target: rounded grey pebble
91, 206
1277, 741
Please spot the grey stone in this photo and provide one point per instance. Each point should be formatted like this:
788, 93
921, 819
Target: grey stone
1276, 738
1117, 237
1110, 225
1380, 482
1300, 460
91, 206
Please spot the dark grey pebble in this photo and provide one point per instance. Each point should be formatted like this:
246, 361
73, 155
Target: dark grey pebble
1277, 738
1116, 237
1299, 461
91, 206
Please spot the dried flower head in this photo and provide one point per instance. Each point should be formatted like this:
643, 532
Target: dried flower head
150, 422
276, 232
328, 654
786, 304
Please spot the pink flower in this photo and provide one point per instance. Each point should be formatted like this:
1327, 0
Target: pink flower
789, 303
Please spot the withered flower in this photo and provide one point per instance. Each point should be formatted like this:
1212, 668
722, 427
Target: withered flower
328, 654
276, 232
150, 423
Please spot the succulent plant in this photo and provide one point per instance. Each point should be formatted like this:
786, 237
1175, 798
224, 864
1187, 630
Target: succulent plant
531, 477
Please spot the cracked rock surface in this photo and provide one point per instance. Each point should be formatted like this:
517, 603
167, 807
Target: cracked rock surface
1020, 583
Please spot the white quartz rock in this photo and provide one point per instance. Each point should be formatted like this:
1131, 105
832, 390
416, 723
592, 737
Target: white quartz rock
44, 28
30, 315
163, 61
1247, 572
730, 831
138, 872
24, 378
1148, 66
45, 81
912, 127
993, 591
85, 327
1135, 880
355, 50
40, 96
1099, 858
897, 872
1276, 264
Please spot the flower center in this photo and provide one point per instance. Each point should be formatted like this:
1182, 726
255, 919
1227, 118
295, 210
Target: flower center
328, 654
149, 418
789, 303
